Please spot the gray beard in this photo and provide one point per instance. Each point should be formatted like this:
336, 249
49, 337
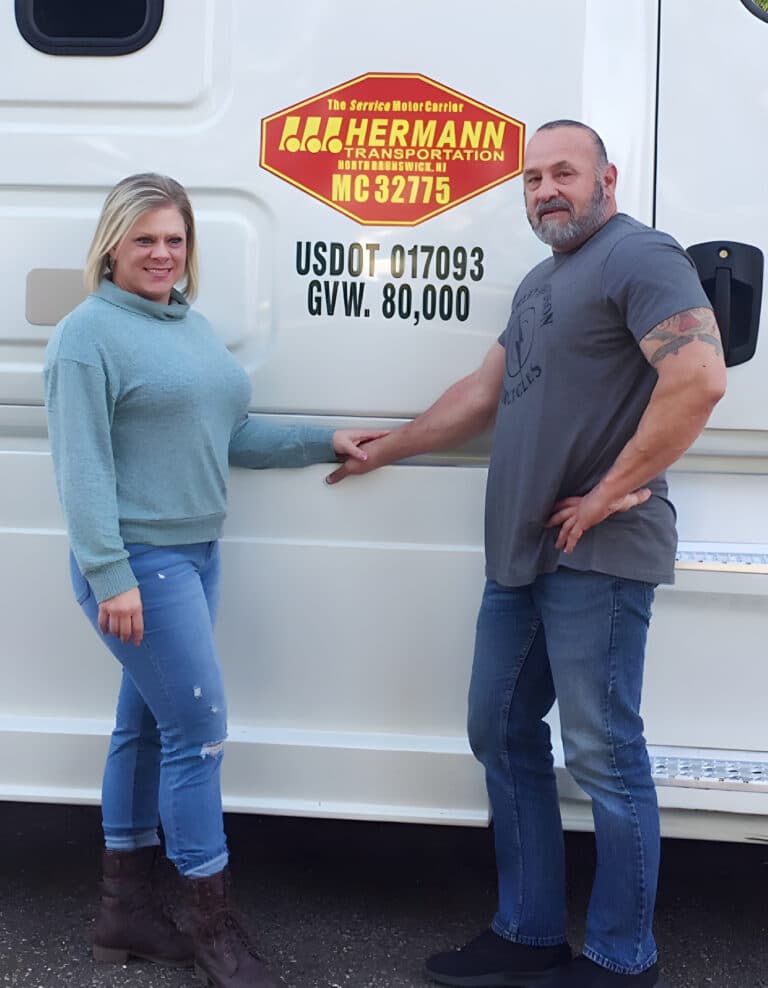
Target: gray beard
576, 230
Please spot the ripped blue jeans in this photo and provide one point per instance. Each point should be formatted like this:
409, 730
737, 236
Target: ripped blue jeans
164, 761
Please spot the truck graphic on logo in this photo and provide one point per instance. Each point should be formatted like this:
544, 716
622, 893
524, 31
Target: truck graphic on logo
392, 149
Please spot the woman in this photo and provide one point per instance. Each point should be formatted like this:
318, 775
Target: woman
146, 408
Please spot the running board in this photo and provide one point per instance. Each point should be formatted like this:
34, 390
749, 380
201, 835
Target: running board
702, 769
722, 557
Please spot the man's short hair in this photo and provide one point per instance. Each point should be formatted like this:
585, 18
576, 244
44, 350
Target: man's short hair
602, 154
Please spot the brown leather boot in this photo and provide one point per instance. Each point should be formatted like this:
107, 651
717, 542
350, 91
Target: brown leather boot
224, 956
131, 922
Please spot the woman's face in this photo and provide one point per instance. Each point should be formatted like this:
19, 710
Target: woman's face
152, 256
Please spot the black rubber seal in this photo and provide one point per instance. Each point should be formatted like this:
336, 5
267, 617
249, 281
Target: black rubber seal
756, 9
25, 21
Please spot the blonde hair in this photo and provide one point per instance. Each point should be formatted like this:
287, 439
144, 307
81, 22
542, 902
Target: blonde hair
127, 201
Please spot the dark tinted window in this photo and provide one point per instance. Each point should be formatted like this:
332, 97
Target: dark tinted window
88, 27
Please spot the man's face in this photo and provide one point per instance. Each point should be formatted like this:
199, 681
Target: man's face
568, 196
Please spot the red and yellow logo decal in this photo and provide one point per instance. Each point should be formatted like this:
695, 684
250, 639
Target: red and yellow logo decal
392, 149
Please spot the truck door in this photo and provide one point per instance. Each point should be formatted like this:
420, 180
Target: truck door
707, 678
347, 618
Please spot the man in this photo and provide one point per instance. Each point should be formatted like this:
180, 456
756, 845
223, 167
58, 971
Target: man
606, 373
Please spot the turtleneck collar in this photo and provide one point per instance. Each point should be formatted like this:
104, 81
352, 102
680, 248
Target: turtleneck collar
175, 311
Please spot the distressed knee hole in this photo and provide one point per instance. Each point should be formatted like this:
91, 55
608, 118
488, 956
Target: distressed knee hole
197, 693
212, 749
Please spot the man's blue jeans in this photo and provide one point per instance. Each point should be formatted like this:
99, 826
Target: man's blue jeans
164, 759
581, 637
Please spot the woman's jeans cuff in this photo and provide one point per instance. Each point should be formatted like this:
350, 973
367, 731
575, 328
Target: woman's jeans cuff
212, 867
132, 842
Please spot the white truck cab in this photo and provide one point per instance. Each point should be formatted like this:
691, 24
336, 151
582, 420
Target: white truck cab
354, 175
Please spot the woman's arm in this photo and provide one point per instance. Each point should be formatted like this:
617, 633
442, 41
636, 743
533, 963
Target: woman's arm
260, 444
80, 409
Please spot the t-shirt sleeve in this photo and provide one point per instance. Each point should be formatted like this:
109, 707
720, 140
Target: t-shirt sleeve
502, 339
649, 277
80, 407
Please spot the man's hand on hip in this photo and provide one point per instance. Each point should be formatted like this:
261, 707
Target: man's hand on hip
576, 515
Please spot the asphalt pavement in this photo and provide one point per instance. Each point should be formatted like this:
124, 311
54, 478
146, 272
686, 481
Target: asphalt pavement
338, 904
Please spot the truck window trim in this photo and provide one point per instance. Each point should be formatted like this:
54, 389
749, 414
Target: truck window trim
94, 46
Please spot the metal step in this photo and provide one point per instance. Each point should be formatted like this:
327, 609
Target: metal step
715, 770
722, 557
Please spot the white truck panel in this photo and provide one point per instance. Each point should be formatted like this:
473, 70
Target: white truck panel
348, 613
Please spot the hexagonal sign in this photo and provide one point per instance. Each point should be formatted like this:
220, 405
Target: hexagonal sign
391, 148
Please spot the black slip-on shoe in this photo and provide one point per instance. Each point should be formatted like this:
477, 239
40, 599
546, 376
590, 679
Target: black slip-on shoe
490, 961
584, 973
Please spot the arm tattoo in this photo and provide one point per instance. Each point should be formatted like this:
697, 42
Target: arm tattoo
678, 331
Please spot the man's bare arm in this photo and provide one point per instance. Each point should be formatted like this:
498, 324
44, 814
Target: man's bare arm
687, 354
679, 331
466, 409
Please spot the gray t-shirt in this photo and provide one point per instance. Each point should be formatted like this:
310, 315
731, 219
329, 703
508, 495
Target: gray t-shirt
575, 387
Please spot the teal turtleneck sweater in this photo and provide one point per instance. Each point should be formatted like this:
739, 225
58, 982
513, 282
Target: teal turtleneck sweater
146, 409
